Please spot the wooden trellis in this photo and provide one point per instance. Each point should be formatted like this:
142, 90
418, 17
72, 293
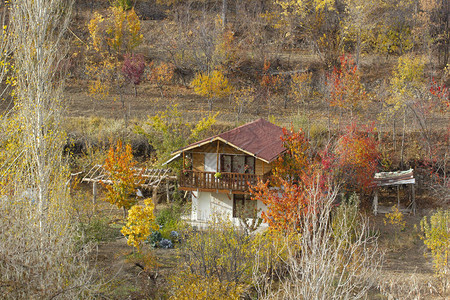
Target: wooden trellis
152, 179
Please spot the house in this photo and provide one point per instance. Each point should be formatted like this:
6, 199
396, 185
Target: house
219, 169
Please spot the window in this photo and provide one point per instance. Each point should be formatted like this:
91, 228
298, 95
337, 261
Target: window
237, 164
244, 207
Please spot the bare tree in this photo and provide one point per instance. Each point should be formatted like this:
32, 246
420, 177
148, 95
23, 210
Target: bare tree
39, 28
39, 256
334, 256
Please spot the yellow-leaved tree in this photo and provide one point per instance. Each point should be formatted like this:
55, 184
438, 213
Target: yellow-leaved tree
406, 90
436, 236
317, 21
161, 75
212, 86
40, 258
111, 35
140, 222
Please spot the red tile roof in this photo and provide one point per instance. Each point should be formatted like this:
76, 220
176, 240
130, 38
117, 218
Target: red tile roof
259, 138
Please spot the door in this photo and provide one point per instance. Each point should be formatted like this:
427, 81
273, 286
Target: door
210, 162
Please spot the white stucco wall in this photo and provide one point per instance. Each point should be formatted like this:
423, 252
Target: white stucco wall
201, 206
222, 205
205, 205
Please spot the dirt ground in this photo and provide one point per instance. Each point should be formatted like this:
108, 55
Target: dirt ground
406, 272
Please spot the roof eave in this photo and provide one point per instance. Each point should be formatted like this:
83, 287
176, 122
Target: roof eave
217, 138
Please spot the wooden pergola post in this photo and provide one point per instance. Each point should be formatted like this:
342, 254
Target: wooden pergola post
94, 192
155, 196
167, 191
94, 195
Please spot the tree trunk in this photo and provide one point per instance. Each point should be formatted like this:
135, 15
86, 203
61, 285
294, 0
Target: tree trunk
224, 13
393, 135
403, 138
358, 48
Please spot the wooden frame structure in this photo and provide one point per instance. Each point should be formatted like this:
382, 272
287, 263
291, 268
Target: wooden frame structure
397, 178
152, 179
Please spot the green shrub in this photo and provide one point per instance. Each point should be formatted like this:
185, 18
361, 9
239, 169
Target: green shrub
97, 230
346, 219
154, 238
222, 251
169, 220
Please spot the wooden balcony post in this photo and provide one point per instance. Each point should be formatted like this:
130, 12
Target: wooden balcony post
184, 164
217, 160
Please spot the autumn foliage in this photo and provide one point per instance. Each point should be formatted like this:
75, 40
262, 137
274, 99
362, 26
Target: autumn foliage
301, 174
139, 223
346, 89
442, 95
133, 69
293, 174
356, 158
124, 178
212, 86
161, 75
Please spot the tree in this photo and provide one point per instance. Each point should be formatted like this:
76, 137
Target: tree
140, 221
39, 91
133, 68
439, 157
356, 159
38, 253
169, 131
110, 37
334, 255
434, 27
301, 88
292, 175
217, 263
407, 87
161, 75
436, 236
124, 179
346, 89
316, 21
269, 84
358, 23
242, 98
212, 86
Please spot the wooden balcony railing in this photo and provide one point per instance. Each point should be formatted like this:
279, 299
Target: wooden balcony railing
206, 181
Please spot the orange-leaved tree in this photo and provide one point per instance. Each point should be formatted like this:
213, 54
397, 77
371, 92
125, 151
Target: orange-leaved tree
124, 179
269, 84
356, 156
345, 87
161, 75
286, 194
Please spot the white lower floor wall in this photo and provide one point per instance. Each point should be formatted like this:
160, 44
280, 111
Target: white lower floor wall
206, 205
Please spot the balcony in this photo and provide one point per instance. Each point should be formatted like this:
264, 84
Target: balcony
227, 182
